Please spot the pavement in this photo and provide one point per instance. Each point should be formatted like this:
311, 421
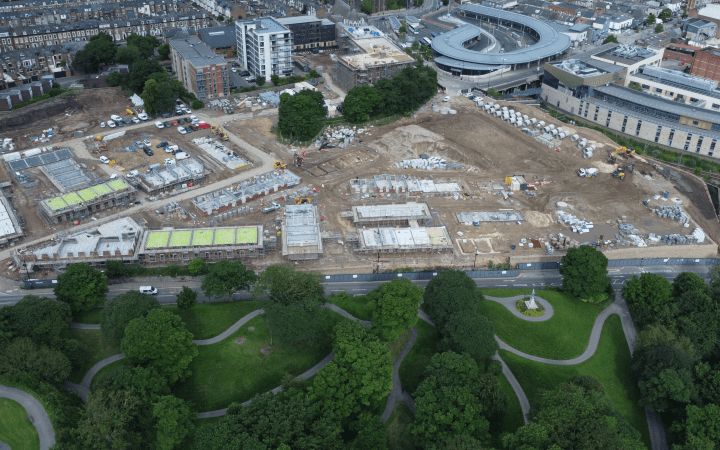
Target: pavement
511, 302
36, 414
397, 393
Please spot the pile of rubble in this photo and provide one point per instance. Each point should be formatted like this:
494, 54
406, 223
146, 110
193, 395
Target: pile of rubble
270, 97
223, 104
674, 212
427, 163
346, 135
7, 145
561, 242
577, 225
627, 229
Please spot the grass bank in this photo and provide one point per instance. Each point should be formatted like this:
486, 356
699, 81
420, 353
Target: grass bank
98, 347
15, 428
418, 358
207, 320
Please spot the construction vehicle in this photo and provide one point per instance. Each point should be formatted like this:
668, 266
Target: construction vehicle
588, 173
302, 200
298, 161
630, 168
625, 152
280, 165
619, 173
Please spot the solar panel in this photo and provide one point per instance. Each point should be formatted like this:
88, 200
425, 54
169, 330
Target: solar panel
18, 165
33, 161
49, 158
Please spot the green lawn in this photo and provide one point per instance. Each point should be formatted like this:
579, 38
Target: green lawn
227, 372
107, 370
610, 365
564, 336
399, 437
357, 306
206, 320
92, 316
98, 348
398, 344
414, 364
15, 428
513, 414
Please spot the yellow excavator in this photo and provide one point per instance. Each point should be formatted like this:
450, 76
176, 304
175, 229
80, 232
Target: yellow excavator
280, 165
217, 129
619, 173
625, 152
302, 200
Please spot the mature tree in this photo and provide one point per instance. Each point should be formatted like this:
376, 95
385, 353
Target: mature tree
366, 6
584, 272
115, 79
472, 333
394, 307
121, 310
701, 428
650, 19
23, 358
224, 278
660, 334
665, 377
714, 275
649, 299
197, 267
447, 402
697, 316
81, 287
371, 433
107, 422
116, 269
708, 382
140, 72
6, 333
688, 281
299, 116
127, 55
145, 44
659, 29
359, 375
390, 95
665, 14
186, 298
286, 286
44, 320
174, 421
160, 340
164, 51
297, 326
260, 81
269, 423
449, 292
158, 97
197, 104
100, 49
360, 102
610, 39
275, 79
86, 62
576, 414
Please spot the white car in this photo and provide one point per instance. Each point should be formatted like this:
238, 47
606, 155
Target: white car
182, 130
113, 176
234, 70
447, 98
133, 174
147, 143
104, 159
171, 148
187, 110
143, 116
159, 125
169, 161
111, 124
102, 124
181, 155
148, 290
115, 118
194, 119
135, 120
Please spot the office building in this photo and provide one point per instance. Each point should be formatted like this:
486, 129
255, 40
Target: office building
309, 32
198, 68
264, 47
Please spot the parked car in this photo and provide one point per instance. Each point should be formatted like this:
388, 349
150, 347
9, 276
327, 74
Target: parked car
133, 174
162, 144
147, 143
194, 119
234, 70
203, 125
187, 110
159, 125
182, 130
143, 116
272, 207
127, 121
104, 159
147, 151
180, 121
250, 79
188, 130
120, 123
102, 124
174, 123
138, 144
167, 124
111, 124
115, 118
135, 120
148, 290
171, 148
170, 161
181, 155
244, 73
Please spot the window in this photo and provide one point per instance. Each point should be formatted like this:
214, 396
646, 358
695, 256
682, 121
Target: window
657, 133
607, 121
637, 129
699, 144
670, 138
624, 124
695, 123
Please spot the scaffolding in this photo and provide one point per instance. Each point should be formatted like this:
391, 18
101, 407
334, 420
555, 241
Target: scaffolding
301, 236
402, 240
391, 214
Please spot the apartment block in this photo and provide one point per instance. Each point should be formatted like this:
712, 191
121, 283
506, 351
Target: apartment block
198, 68
264, 47
309, 32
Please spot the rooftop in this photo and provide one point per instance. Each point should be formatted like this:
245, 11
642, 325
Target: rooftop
301, 230
711, 11
117, 236
411, 211
196, 52
293, 20
219, 37
626, 54
377, 51
405, 238
202, 237
89, 195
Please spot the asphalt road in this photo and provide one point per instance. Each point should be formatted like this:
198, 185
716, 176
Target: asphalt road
168, 288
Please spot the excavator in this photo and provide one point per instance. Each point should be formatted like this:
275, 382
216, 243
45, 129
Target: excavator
302, 200
298, 161
619, 173
217, 129
280, 165
625, 152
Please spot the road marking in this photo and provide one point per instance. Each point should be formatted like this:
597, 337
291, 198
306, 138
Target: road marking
362, 290
521, 285
538, 284
501, 285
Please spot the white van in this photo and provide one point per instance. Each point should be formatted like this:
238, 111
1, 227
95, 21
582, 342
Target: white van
148, 290
181, 155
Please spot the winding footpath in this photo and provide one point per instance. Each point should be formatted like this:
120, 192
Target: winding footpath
36, 414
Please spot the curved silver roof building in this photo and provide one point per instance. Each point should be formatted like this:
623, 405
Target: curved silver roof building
452, 56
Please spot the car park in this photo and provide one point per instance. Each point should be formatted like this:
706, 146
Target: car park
102, 124
162, 144
120, 123
135, 120
133, 174
180, 121
143, 116
147, 151
167, 124
194, 119
250, 79
115, 118
188, 130
181, 155
181, 130
174, 123
147, 143
171, 148
111, 124
244, 73
127, 121
104, 159
159, 125
187, 110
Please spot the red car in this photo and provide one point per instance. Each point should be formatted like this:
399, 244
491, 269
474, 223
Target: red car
203, 125
174, 123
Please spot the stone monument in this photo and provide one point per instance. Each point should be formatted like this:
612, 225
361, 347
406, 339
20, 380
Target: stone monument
530, 304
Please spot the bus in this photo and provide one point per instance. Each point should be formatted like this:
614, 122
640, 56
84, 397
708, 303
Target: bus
426, 41
412, 29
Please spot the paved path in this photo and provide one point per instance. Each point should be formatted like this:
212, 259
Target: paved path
85, 326
233, 328
510, 302
342, 312
4, 446
397, 392
36, 414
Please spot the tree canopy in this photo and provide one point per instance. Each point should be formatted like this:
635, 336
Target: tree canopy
100, 49
23, 358
158, 96
665, 377
394, 307
688, 281
120, 310
650, 19
297, 326
576, 414
701, 429
360, 102
449, 292
43, 320
472, 333
127, 55
286, 286
697, 317
145, 44
160, 341
81, 287
665, 14
648, 299
164, 51
360, 375
224, 278
186, 298
584, 272
140, 72
300, 114
611, 38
